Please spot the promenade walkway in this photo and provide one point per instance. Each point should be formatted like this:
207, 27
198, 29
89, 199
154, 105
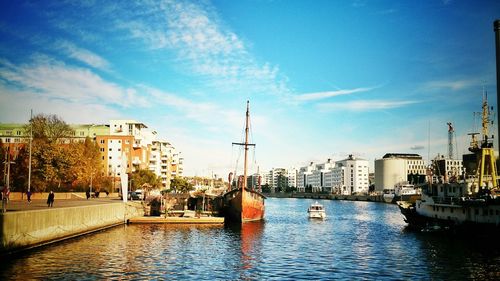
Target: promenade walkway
41, 204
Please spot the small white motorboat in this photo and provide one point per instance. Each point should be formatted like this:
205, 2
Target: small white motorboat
316, 211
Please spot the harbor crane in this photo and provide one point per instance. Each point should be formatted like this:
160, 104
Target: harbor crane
451, 131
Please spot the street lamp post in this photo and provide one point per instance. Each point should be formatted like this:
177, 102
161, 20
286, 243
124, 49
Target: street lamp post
6, 189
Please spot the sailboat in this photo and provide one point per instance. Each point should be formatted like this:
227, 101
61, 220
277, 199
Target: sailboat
243, 204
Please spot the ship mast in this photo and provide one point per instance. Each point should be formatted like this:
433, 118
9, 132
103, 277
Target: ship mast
245, 145
244, 185
485, 154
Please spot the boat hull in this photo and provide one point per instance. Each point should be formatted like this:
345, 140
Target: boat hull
459, 218
317, 215
243, 206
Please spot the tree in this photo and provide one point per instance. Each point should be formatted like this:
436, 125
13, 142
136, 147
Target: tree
87, 165
51, 160
19, 171
3, 157
48, 128
266, 188
145, 179
181, 185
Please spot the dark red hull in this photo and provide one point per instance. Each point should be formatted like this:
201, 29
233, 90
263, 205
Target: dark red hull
243, 206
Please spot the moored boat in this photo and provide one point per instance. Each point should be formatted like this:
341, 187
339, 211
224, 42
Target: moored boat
466, 205
389, 195
316, 211
243, 204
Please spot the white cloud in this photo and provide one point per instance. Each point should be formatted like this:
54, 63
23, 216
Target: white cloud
15, 106
209, 114
454, 85
364, 105
204, 48
54, 79
82, 55
329, 94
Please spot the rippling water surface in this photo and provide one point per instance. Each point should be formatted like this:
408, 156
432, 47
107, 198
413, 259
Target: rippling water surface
358, 240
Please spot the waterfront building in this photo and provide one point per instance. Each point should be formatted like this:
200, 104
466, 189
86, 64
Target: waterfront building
302, 177
320, 179
291, 175
277, 179
355, 175
13, 138
346, 177
121, 138
447, 170
398, 168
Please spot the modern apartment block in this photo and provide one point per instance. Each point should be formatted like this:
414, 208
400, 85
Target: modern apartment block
346, 176
276, 175
121, 138
302, 176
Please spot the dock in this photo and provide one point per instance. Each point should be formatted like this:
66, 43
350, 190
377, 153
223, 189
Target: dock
177, 220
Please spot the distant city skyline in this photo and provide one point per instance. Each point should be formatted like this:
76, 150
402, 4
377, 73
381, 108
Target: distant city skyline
325, 79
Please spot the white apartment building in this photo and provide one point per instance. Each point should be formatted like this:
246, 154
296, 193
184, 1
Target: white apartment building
318, 180
145, 150
346, 177
356, 175
302, 177
396, 168
273, 177
291, 175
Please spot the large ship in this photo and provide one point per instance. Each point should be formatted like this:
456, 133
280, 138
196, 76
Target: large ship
243, 204
467, 204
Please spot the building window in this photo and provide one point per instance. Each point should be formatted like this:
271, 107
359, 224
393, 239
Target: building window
102, 141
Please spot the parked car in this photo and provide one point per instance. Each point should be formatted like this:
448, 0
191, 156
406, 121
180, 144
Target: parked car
136, 195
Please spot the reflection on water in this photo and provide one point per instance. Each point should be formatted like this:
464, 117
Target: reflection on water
358, 240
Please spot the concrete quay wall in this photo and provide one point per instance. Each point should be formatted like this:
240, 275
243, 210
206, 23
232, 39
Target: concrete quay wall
370, 198
26, 229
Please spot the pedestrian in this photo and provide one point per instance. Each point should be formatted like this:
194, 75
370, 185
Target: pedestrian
28, 194
50, 199
87, 194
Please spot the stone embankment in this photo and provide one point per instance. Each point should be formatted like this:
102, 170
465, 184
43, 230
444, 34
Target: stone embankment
24, 229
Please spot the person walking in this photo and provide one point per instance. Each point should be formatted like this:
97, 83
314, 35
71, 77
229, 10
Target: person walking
50, 199
28, 194
87, 194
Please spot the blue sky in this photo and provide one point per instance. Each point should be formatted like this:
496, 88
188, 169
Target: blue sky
324, 78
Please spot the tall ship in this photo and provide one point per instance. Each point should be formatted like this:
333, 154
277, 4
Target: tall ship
469, 203
243, 204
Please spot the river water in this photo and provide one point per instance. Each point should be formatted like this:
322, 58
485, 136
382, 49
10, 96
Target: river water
357, 241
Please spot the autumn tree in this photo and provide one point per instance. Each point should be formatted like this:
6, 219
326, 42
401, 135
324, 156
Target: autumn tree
3, 158
145, 179
180, 185
87, 165
51, 160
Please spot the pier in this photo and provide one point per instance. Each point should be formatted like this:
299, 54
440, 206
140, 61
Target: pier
25, 225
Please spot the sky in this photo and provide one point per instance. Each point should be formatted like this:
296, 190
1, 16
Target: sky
324, 79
